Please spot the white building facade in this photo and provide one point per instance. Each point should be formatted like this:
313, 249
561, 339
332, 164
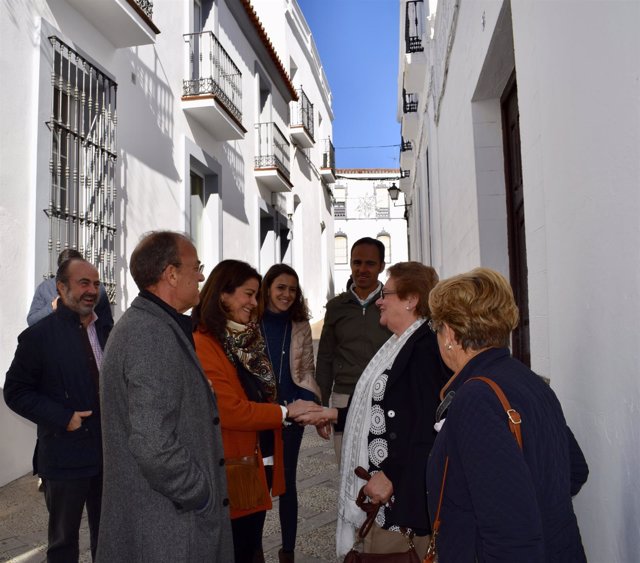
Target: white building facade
363, 208
524, 121
125, 116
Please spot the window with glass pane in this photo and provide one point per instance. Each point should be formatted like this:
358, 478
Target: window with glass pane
385, 239
382, 202
197, 202
340, 201
341, 249
83, 163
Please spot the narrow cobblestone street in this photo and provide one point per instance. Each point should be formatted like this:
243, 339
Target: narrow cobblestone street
23, 514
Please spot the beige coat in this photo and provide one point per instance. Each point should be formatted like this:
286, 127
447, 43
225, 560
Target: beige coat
301, 357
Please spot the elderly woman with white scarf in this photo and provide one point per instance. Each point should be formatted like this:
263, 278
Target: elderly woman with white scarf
389, 423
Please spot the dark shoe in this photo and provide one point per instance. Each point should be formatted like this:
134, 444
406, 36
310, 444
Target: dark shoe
258, 557
286, 556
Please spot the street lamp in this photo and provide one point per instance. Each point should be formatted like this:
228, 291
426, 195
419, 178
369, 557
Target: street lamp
394, 194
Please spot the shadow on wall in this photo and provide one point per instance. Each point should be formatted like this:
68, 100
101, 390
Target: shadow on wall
145, 116
303, 162
233, 184
21, 16
122, 265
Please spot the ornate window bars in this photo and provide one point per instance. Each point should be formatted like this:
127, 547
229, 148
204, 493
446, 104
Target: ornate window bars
414, 26
213, 72
303, 112
272, 148
409, 102
146, 6
83, 159
328, 155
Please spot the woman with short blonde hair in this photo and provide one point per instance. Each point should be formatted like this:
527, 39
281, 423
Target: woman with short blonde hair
499, 502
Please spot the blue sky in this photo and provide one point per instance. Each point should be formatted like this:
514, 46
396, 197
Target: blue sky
358, 45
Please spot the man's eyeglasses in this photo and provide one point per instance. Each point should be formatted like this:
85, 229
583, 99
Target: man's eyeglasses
198, 267
384, 293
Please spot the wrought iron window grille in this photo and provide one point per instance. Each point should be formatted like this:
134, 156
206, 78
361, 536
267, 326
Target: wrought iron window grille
328, 155
272, 148
146, 6
409, 102
82, 165
414, 28
303, 112
213, 72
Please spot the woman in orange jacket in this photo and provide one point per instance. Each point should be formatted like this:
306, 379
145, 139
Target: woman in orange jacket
232, 352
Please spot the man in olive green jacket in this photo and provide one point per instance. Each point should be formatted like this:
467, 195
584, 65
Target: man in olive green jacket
351, 334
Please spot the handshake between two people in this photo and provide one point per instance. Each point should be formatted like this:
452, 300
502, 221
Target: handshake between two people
308, 413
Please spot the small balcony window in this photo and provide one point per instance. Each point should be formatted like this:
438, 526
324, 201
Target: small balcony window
414, 26
382, 202
272, 150
341, 247
340, 202
409, 102
212, 72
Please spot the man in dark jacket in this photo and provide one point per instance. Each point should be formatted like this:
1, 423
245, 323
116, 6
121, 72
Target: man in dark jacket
351, 334
53, 382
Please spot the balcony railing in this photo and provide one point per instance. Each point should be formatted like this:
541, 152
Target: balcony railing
272, 148
409, 102
146, 6
414, 26
404, 173
340, 209
212, 72
328, 155
303, 112
405, 146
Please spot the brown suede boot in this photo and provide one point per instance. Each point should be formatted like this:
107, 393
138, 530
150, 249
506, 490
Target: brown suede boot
286, 556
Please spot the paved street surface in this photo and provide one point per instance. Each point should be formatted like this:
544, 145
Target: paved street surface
23, 514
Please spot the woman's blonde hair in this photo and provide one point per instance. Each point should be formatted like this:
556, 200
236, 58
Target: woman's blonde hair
478, 306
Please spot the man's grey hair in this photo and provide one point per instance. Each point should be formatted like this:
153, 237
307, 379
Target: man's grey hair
155, 251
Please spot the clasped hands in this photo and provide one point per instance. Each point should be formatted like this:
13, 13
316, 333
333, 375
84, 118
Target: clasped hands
310, 413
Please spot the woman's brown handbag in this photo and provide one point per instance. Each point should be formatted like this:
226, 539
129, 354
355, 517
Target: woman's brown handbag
244, 484
371, 508
514, 426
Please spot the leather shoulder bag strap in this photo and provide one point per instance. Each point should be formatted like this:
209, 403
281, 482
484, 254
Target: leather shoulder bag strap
514, 425
513, 415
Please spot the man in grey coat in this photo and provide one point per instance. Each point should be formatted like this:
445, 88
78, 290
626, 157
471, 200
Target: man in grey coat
164, 491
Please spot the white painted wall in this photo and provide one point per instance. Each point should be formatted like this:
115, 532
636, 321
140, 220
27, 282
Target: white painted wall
361, 221
578, 73
156, 143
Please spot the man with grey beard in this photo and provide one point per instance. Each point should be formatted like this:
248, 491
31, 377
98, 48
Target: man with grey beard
53, 382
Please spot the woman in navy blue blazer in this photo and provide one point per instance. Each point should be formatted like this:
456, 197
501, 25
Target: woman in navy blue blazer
500, 503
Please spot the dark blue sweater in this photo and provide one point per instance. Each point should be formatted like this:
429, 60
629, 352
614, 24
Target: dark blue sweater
276, 329
501, 504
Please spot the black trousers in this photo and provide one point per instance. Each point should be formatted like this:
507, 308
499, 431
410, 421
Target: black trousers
65, 503
288, 505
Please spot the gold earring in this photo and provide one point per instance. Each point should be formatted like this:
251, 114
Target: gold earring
449, 347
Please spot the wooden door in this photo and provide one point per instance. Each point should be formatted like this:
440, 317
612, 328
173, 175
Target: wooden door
515, 219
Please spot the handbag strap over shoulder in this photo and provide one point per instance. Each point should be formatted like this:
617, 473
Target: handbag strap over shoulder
515, 420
